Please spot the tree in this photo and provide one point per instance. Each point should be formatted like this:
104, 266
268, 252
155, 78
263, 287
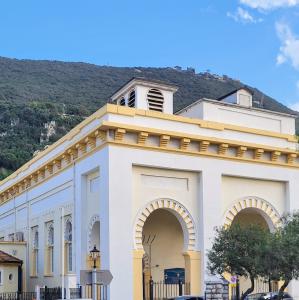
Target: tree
239, 250
283, 259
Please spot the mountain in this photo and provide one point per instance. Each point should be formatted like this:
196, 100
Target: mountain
42, 100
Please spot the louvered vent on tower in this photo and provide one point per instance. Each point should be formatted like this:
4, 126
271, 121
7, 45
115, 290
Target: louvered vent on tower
122, 101
155, 100
131, 100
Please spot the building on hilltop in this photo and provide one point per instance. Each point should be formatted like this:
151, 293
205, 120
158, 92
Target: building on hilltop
148, 187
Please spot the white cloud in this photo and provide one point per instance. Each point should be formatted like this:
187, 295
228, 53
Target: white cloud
269, 4
242, 15
289, 49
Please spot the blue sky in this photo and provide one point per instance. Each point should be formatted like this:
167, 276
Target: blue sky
256, 41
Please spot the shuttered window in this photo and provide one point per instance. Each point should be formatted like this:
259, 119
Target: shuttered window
131, 100
155, 100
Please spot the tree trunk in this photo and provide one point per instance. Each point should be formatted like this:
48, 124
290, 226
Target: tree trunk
282, 288
250, 290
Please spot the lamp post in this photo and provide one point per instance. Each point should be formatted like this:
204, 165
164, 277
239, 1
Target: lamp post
94, 254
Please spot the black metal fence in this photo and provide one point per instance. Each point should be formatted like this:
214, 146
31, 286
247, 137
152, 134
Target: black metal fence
18, 296
102, 292
161, 290
52, 293
74, 293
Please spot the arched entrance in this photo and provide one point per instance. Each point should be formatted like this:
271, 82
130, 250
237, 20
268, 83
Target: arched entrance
163, 243
165, 234
256, 211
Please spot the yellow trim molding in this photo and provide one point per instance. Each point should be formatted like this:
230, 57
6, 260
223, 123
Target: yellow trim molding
193, 268
137, 274
121, 110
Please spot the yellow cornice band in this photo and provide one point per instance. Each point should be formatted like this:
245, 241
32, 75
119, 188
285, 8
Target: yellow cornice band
121, 110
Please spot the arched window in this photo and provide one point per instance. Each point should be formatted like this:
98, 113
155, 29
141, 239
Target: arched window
35, 240
122, 101
51, 235
50, 258
35, 245
155, 100
68, 236
131, 100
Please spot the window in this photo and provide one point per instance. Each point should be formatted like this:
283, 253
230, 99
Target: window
122, 101
68, 246
50, 248
11, 237
35, 242
19, 236
155, 100
94, 184
131, 100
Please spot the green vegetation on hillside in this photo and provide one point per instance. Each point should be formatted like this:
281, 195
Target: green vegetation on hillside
40, 101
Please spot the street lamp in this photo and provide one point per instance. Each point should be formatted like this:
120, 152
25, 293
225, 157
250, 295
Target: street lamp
94, 254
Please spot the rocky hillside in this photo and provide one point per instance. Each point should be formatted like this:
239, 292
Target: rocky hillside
41, 100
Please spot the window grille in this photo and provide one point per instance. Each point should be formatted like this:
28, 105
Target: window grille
51, 248
51, 235
35, 240
69, 246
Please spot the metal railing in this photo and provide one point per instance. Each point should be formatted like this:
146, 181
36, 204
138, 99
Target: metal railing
102, 292
18, 296
74, 293
161, 290
52, 293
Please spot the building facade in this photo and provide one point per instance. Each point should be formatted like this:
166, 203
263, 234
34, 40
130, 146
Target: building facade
148, 187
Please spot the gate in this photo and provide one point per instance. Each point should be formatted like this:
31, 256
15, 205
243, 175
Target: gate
161, 290
52, 293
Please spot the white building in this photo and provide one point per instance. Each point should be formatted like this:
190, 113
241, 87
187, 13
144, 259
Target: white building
134, 172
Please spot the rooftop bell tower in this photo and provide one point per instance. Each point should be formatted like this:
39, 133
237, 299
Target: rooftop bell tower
146, 94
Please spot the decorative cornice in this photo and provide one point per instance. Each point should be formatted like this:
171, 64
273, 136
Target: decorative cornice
188, 144
126, 111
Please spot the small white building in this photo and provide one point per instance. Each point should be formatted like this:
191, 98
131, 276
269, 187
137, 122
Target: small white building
148, 187
11, 273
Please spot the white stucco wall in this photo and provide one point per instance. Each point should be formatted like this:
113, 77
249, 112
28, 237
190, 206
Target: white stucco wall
242, 116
